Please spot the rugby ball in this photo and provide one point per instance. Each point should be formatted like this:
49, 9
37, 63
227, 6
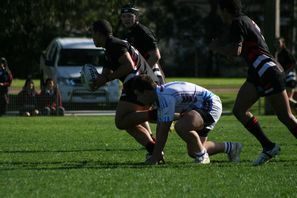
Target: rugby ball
89, 74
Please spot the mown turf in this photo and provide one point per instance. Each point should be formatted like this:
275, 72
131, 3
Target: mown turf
89, 157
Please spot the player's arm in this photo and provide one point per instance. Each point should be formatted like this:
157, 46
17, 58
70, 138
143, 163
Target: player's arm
161, 138
126, 66
154, 56
230, 49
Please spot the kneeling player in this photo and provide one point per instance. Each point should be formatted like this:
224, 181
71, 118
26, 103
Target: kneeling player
199, 111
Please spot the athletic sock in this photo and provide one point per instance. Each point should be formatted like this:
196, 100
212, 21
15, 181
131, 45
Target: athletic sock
200, 154
150, 147
254, 128
228, 147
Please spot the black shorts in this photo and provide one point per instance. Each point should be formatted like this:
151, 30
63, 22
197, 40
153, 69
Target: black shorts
207, 119
271, 82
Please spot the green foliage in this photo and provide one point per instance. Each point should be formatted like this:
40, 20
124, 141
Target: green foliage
89, 157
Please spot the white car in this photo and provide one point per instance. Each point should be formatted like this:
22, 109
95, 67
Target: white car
63, 60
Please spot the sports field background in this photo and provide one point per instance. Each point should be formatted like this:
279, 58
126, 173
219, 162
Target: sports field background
86, 156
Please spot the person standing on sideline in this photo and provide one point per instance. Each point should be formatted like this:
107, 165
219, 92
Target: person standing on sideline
5, 82
265, 76
288, 62
195, 110
123, 63
142, 38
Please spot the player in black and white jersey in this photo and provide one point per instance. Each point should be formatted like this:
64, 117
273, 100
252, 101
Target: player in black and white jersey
195, 111
123, 62
265, 75
288, 62
142, 38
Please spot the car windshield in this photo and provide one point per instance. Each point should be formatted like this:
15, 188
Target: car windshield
79, 57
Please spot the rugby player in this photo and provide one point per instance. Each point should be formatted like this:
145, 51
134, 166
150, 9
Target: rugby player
142, 38
123, 62
265, 75
198, 112
288, 62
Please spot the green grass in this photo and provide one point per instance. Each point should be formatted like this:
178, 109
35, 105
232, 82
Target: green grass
89, 157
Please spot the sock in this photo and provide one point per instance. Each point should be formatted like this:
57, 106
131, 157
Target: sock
228, 147
150, 147
254, 128
294, 132
200, 154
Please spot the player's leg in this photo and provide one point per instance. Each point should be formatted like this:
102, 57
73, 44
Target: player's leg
246, 97
141, 134
232, 149
186, 128
280, 104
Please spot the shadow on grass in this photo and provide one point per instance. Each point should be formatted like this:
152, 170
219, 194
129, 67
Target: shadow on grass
70, 150
89, 164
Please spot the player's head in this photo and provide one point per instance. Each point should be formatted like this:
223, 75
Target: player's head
3, 62
280, 43
232, 7
129, 15
101, 29
143, 87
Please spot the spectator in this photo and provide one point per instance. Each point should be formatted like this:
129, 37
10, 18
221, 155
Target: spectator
50, 99
5, 82
27, 99
288, 62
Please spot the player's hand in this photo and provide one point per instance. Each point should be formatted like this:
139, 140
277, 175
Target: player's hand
100, 81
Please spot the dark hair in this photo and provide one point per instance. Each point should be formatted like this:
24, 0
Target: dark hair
102, 26
129, 8
232, 6
28, 81
3, 60
140, 83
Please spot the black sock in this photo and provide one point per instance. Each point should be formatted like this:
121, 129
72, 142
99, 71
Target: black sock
254, 128
294, 132
150, 147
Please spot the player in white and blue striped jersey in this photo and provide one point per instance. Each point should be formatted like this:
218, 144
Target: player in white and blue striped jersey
196, 111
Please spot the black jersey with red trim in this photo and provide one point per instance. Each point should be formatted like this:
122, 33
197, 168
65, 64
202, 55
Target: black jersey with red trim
115, 48
286, 59
245, 30
142, 38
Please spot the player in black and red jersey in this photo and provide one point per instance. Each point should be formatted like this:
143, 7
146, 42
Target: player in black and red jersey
288, 62
123, 63
265, 75
142, 38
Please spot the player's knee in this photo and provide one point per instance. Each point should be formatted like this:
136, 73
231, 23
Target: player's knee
120, 125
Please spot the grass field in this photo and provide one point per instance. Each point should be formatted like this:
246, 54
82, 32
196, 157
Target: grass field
89, 157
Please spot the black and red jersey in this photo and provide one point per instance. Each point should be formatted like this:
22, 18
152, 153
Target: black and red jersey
142, 38
245, 30
116, 47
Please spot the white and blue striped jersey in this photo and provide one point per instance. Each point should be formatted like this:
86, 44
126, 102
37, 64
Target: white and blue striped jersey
178, 97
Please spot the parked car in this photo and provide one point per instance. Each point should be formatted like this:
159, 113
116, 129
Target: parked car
63, 60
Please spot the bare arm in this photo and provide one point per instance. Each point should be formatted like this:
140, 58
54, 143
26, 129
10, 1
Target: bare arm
126, 66
161, 139
154, 57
